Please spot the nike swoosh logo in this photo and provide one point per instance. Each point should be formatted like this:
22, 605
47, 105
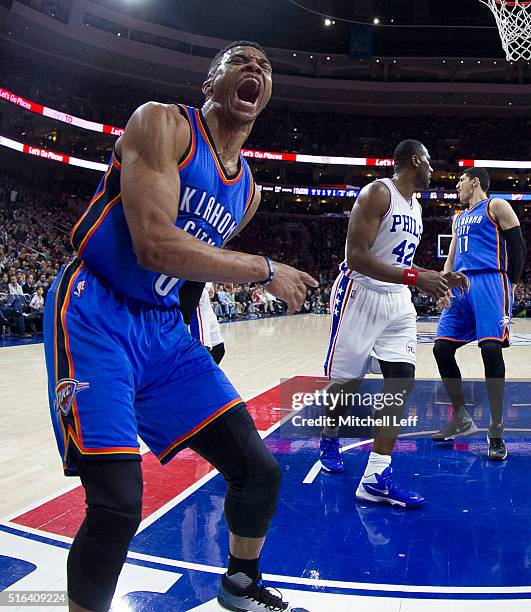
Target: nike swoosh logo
374, 491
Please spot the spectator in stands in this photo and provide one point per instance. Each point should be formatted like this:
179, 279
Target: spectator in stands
226, 302
14, 287
271, 304
243, 299
4, 283
29, 286
258, 300
21, 278
36, 304
43, 282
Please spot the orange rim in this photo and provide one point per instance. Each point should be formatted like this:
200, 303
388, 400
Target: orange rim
524, 3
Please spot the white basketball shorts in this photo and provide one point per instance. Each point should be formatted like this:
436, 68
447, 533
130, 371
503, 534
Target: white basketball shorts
205, 325
368, 325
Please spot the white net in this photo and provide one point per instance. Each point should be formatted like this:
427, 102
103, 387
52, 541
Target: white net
514, 23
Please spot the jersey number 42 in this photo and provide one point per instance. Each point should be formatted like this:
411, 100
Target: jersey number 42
400, 251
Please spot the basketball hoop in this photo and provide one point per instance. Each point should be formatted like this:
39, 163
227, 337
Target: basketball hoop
514, 24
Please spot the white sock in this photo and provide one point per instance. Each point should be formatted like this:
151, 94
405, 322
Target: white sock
377, 464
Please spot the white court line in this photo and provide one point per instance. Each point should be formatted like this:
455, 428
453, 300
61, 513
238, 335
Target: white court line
315, 583
336, 583
41, 501
316, 467
74, 484
450, 403
520, 404
39, 532
312, 582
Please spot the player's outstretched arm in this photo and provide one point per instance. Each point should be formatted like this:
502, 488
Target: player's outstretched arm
156, 136
367, 212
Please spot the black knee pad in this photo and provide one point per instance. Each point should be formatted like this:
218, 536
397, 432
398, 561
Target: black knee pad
397, 369
114, 512
252, 498
97, 556
253, 476
444, 353
111, 526
492, 354
398, 374
444, 350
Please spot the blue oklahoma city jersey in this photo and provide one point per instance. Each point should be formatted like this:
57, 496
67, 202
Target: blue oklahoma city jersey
480, 247
484, 312
211, 206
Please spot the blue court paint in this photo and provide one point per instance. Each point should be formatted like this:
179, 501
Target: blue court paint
474, 531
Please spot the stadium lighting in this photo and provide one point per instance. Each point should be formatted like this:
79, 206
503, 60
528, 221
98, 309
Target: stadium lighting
327, 22
376, 20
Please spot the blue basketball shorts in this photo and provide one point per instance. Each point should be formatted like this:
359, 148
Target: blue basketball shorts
119, 370
482, 314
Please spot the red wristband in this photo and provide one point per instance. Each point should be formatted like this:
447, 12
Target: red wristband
409, 277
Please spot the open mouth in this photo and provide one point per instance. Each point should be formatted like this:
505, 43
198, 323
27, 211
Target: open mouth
248, 91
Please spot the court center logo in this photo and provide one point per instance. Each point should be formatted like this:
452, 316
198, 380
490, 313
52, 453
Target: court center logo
65, 392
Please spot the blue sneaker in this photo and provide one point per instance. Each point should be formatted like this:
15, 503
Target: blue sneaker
330, 455
380, 489
253, 598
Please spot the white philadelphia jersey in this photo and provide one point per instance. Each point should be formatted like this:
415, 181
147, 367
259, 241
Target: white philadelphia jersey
397, 239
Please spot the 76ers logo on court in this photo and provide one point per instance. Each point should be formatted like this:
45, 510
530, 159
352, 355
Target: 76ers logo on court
65, 392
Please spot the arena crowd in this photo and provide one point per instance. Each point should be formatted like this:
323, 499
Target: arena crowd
34, 244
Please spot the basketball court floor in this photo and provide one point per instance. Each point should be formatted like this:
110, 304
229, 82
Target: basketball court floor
468, 549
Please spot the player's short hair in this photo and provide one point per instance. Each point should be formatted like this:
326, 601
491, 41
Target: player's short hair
481, 174
235, 43
405, 149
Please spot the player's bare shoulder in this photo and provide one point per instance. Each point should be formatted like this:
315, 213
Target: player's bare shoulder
502, 213
157, 125
374, 199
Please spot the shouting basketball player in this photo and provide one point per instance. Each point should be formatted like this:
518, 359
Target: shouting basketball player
488, 246
120, 360
373, 315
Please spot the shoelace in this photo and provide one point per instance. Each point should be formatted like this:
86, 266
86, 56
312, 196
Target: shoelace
272, 601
